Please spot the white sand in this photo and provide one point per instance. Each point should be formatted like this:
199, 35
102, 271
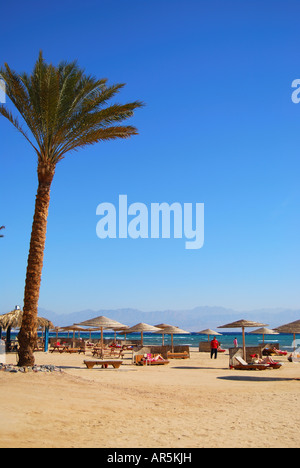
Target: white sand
197, 402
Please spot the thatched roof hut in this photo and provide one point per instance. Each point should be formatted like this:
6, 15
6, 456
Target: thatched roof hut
13, 319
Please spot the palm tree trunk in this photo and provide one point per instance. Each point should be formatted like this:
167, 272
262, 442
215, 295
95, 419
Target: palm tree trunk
28, 333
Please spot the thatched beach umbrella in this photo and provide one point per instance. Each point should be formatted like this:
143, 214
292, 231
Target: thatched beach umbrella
243, 324
141, 328
163, 325
124, 332
101, 323
264, 331
209, 332
77, 328
172, 331
290, 328
14, 318
121, 328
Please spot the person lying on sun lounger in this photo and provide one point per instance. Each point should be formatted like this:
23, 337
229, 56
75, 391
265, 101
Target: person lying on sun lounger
268, 360
277, 352
150, 358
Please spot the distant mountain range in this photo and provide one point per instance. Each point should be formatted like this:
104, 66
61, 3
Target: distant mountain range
194, 320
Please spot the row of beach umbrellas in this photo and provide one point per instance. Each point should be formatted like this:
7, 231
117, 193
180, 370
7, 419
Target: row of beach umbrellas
14, 318
165, 329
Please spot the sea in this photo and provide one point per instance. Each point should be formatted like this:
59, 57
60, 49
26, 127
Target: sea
286, 341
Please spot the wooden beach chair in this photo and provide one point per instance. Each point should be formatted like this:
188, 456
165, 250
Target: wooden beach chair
150, 360
243, 365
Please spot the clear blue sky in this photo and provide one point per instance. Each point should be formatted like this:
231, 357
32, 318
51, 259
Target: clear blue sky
218, 128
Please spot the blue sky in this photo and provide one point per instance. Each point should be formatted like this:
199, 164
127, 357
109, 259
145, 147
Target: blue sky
219, 127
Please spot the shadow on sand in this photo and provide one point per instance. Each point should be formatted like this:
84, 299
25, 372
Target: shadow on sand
252, 378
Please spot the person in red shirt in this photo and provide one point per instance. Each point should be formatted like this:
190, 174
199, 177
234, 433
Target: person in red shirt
214, 344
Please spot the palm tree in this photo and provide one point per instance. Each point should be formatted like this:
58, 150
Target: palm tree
63, 110
2, 227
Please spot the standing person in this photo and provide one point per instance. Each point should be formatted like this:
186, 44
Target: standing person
235, 342
214, 344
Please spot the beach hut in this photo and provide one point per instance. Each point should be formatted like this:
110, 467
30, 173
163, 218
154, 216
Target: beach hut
101, 323
290, 328
141, 328
209, 332
264, 331
14, 318
243, 324
172, 331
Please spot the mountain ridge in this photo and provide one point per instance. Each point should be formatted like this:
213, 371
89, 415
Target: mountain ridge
195, 319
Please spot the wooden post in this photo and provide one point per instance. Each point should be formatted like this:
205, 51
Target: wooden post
8, 338
244, 344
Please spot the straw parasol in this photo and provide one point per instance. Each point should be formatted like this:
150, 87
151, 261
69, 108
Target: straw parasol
14, 318
163, 325
101, 322
243, 324
172, 331
77, 328
209, 332
290, 328
264, 331
121, 328
141, 328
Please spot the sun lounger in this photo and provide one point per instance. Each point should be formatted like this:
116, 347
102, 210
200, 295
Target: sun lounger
104, 363
150, 360
243, 365
274, 351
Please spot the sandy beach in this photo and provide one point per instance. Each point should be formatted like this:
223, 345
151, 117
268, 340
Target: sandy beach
190, 403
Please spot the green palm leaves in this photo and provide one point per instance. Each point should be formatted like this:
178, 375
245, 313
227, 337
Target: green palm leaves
64, 109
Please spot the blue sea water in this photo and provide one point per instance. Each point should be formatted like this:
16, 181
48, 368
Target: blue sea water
226, 339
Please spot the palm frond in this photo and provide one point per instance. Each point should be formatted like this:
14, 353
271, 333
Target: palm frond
8, 115
64, 108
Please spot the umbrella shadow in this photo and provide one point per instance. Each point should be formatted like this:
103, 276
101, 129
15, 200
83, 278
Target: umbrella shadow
251, 378
199, 368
